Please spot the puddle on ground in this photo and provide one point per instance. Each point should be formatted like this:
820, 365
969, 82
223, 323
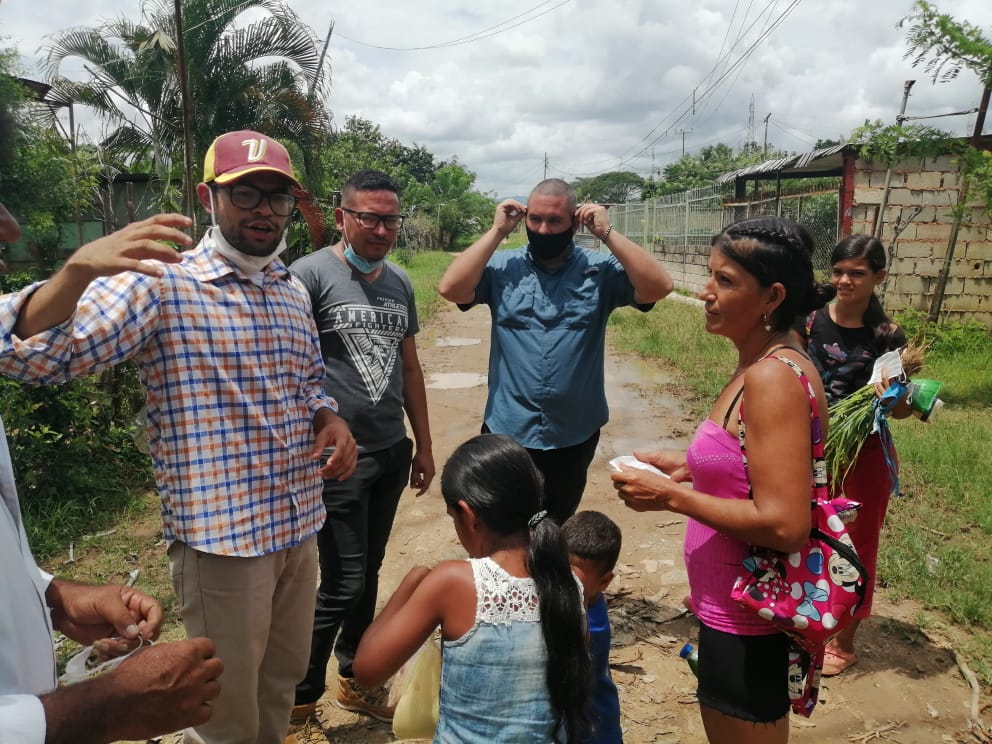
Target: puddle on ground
634, 383
455, 380
455, 341
635, 386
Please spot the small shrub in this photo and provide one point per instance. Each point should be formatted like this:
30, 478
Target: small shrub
73, 452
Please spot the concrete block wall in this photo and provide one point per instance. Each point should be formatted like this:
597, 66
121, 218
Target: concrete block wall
918, 250
686, 264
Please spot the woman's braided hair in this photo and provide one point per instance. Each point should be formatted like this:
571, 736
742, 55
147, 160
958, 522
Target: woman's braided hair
777, 250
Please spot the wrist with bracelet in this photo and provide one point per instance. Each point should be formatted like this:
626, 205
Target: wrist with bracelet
607, 233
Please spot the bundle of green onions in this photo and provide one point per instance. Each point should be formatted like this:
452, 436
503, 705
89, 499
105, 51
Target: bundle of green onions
852, 418
851, 421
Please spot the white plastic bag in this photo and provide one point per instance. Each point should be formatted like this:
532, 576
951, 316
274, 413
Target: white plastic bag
85, 665
419, 694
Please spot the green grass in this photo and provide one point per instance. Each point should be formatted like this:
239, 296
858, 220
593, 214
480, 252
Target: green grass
425, 270
937, 544
673, 332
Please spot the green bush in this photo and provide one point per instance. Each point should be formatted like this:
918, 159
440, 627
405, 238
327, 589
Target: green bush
948, 338
73, 452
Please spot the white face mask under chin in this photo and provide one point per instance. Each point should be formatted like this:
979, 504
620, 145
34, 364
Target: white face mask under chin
248, 264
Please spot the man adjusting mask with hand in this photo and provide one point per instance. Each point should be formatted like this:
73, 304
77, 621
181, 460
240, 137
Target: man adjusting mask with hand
550, 301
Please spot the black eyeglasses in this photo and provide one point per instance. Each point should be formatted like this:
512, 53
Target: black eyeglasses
371, 220
246, 196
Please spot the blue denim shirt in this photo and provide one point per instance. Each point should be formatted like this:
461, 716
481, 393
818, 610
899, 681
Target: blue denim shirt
494, 678
546, 381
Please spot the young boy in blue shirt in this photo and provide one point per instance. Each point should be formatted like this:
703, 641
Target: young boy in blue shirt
594, 547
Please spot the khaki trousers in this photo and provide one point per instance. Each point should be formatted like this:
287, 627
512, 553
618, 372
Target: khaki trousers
259, 613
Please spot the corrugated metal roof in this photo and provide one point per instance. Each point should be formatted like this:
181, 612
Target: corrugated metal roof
795, 162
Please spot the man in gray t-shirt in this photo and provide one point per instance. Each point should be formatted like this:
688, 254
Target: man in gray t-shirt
367, 317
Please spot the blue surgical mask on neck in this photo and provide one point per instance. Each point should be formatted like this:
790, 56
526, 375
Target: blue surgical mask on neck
362, 265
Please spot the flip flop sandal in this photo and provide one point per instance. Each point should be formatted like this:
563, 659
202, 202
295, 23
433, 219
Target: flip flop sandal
834, 663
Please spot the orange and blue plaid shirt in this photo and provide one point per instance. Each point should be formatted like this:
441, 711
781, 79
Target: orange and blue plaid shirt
233, 377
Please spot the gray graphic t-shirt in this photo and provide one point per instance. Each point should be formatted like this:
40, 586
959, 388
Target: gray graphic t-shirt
362, 327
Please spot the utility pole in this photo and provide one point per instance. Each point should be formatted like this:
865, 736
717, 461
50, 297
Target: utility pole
188, 192
545, 166
751, 144
683, 132
764, 150
877, 232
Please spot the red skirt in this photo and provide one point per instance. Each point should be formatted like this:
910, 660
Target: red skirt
869, 483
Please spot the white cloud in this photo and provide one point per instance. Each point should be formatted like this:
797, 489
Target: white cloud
597, 84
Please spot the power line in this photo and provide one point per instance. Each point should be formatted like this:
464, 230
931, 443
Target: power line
712, 87
477, 36
764, 33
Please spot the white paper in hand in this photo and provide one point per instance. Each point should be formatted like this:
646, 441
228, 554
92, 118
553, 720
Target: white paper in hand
887, 367
632, 462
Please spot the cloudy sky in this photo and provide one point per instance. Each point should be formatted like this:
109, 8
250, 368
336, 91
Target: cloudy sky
572, 88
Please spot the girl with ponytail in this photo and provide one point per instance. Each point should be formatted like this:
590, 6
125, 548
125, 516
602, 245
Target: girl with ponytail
844, 340
515, 663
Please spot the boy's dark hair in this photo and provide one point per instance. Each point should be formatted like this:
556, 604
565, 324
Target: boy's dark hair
593, 536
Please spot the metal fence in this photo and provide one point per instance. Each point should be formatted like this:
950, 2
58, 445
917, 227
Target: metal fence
693, 217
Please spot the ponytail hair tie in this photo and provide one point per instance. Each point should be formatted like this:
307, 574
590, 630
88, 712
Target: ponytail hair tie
536, 519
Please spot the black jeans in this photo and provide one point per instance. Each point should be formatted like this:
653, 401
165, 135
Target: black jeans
565, 471
351, 546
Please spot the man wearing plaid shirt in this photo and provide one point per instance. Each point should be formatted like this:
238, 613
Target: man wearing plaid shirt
238, 419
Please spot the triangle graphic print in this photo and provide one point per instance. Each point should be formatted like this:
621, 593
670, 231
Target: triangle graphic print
374, 354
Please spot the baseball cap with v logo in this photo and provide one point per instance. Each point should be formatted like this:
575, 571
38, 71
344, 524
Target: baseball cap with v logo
236, 154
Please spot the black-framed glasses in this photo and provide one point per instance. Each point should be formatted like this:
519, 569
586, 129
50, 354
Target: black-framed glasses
246, 196
371, 220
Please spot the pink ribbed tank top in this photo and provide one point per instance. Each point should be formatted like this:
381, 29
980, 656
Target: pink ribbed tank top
712, 560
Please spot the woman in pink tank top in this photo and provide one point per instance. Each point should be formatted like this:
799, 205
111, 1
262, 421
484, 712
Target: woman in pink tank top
760, 280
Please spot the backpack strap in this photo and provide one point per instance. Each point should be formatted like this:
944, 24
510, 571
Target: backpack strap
819, 475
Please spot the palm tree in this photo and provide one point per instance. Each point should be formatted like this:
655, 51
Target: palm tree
267, 75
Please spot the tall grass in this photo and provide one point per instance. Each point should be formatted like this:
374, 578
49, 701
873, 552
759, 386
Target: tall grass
937, 543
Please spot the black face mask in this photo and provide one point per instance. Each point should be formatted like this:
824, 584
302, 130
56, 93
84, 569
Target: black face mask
547, 247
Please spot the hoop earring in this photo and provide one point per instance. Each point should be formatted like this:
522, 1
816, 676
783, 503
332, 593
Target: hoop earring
764, 319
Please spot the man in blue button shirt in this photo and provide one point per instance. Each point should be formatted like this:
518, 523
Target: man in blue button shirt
550, 301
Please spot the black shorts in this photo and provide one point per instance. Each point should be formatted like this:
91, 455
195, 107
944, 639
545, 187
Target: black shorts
745, 677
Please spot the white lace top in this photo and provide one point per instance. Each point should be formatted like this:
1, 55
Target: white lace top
500, 598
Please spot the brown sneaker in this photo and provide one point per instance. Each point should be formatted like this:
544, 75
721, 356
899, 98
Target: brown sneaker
372, 701
307, 733
304, 728
301, 713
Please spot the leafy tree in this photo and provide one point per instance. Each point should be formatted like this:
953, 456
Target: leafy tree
692, 171
266, 75
451, 199
615, 187
361, 144
44, 182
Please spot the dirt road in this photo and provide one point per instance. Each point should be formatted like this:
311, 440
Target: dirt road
906, 688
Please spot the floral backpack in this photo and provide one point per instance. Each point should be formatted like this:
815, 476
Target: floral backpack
811, 594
